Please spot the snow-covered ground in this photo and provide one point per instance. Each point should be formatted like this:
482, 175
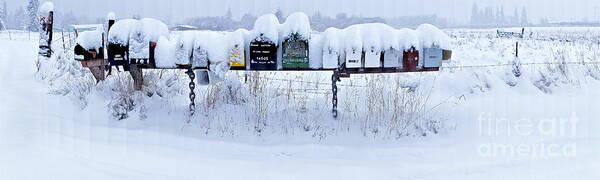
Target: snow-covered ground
541, 126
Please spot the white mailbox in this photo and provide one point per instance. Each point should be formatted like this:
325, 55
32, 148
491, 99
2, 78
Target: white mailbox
392, 58
372, 58
354, 58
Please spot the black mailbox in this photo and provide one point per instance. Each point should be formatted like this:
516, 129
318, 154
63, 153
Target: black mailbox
263, 55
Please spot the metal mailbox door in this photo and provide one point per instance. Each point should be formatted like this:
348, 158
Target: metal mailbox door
432, 57
354, 58
410, 60
237, 57
330, 59
263, 56
200, 58
373, 58
391, 59
295, 53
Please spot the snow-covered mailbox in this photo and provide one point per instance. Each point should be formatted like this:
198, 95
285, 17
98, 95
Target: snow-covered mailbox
408, 43
46, 12
237, 50
410, 59
89, 50
296, 33
372, 35
199, 58
264, 44
79, 28
332, 48
353, 47
433, 41
392, 48
134, 41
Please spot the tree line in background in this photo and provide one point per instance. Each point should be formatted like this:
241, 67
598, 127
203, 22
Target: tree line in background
20, 18
27, 19
495, 16
318, 21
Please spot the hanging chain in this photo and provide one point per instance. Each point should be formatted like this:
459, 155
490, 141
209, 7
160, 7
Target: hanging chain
192, 76
334, 79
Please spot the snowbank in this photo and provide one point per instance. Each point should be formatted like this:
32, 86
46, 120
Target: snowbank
432, 36
90, 39
266, 28
46, 7
296, 23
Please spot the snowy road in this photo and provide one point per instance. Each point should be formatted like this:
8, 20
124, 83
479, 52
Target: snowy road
44, 136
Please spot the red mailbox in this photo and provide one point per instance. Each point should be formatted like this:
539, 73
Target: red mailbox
410, 59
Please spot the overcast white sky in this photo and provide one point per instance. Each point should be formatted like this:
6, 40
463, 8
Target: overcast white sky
454, 10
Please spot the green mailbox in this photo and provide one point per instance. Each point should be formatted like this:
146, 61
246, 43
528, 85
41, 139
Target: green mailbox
295, 52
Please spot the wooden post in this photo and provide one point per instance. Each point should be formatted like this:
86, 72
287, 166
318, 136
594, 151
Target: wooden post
63, 39
138, 77
517, 50
46, 34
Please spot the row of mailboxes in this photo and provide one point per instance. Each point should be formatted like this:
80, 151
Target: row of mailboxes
407, 59
263, 56
295, 55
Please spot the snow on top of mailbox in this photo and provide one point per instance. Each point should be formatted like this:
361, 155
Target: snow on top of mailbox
266, 28
389, 37
149, 29
237, 37
184, 46
90, 39
47, 7
315, 51
408, 38
352, 38
111, 16
432, 36
215, 44
371, 36
120, 31
332, 39
297, 23
165, 53
152, 29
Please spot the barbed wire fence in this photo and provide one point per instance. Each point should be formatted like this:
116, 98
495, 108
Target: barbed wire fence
459, 67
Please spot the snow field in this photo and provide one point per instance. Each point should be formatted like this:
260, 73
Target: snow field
366, 102
67, 139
